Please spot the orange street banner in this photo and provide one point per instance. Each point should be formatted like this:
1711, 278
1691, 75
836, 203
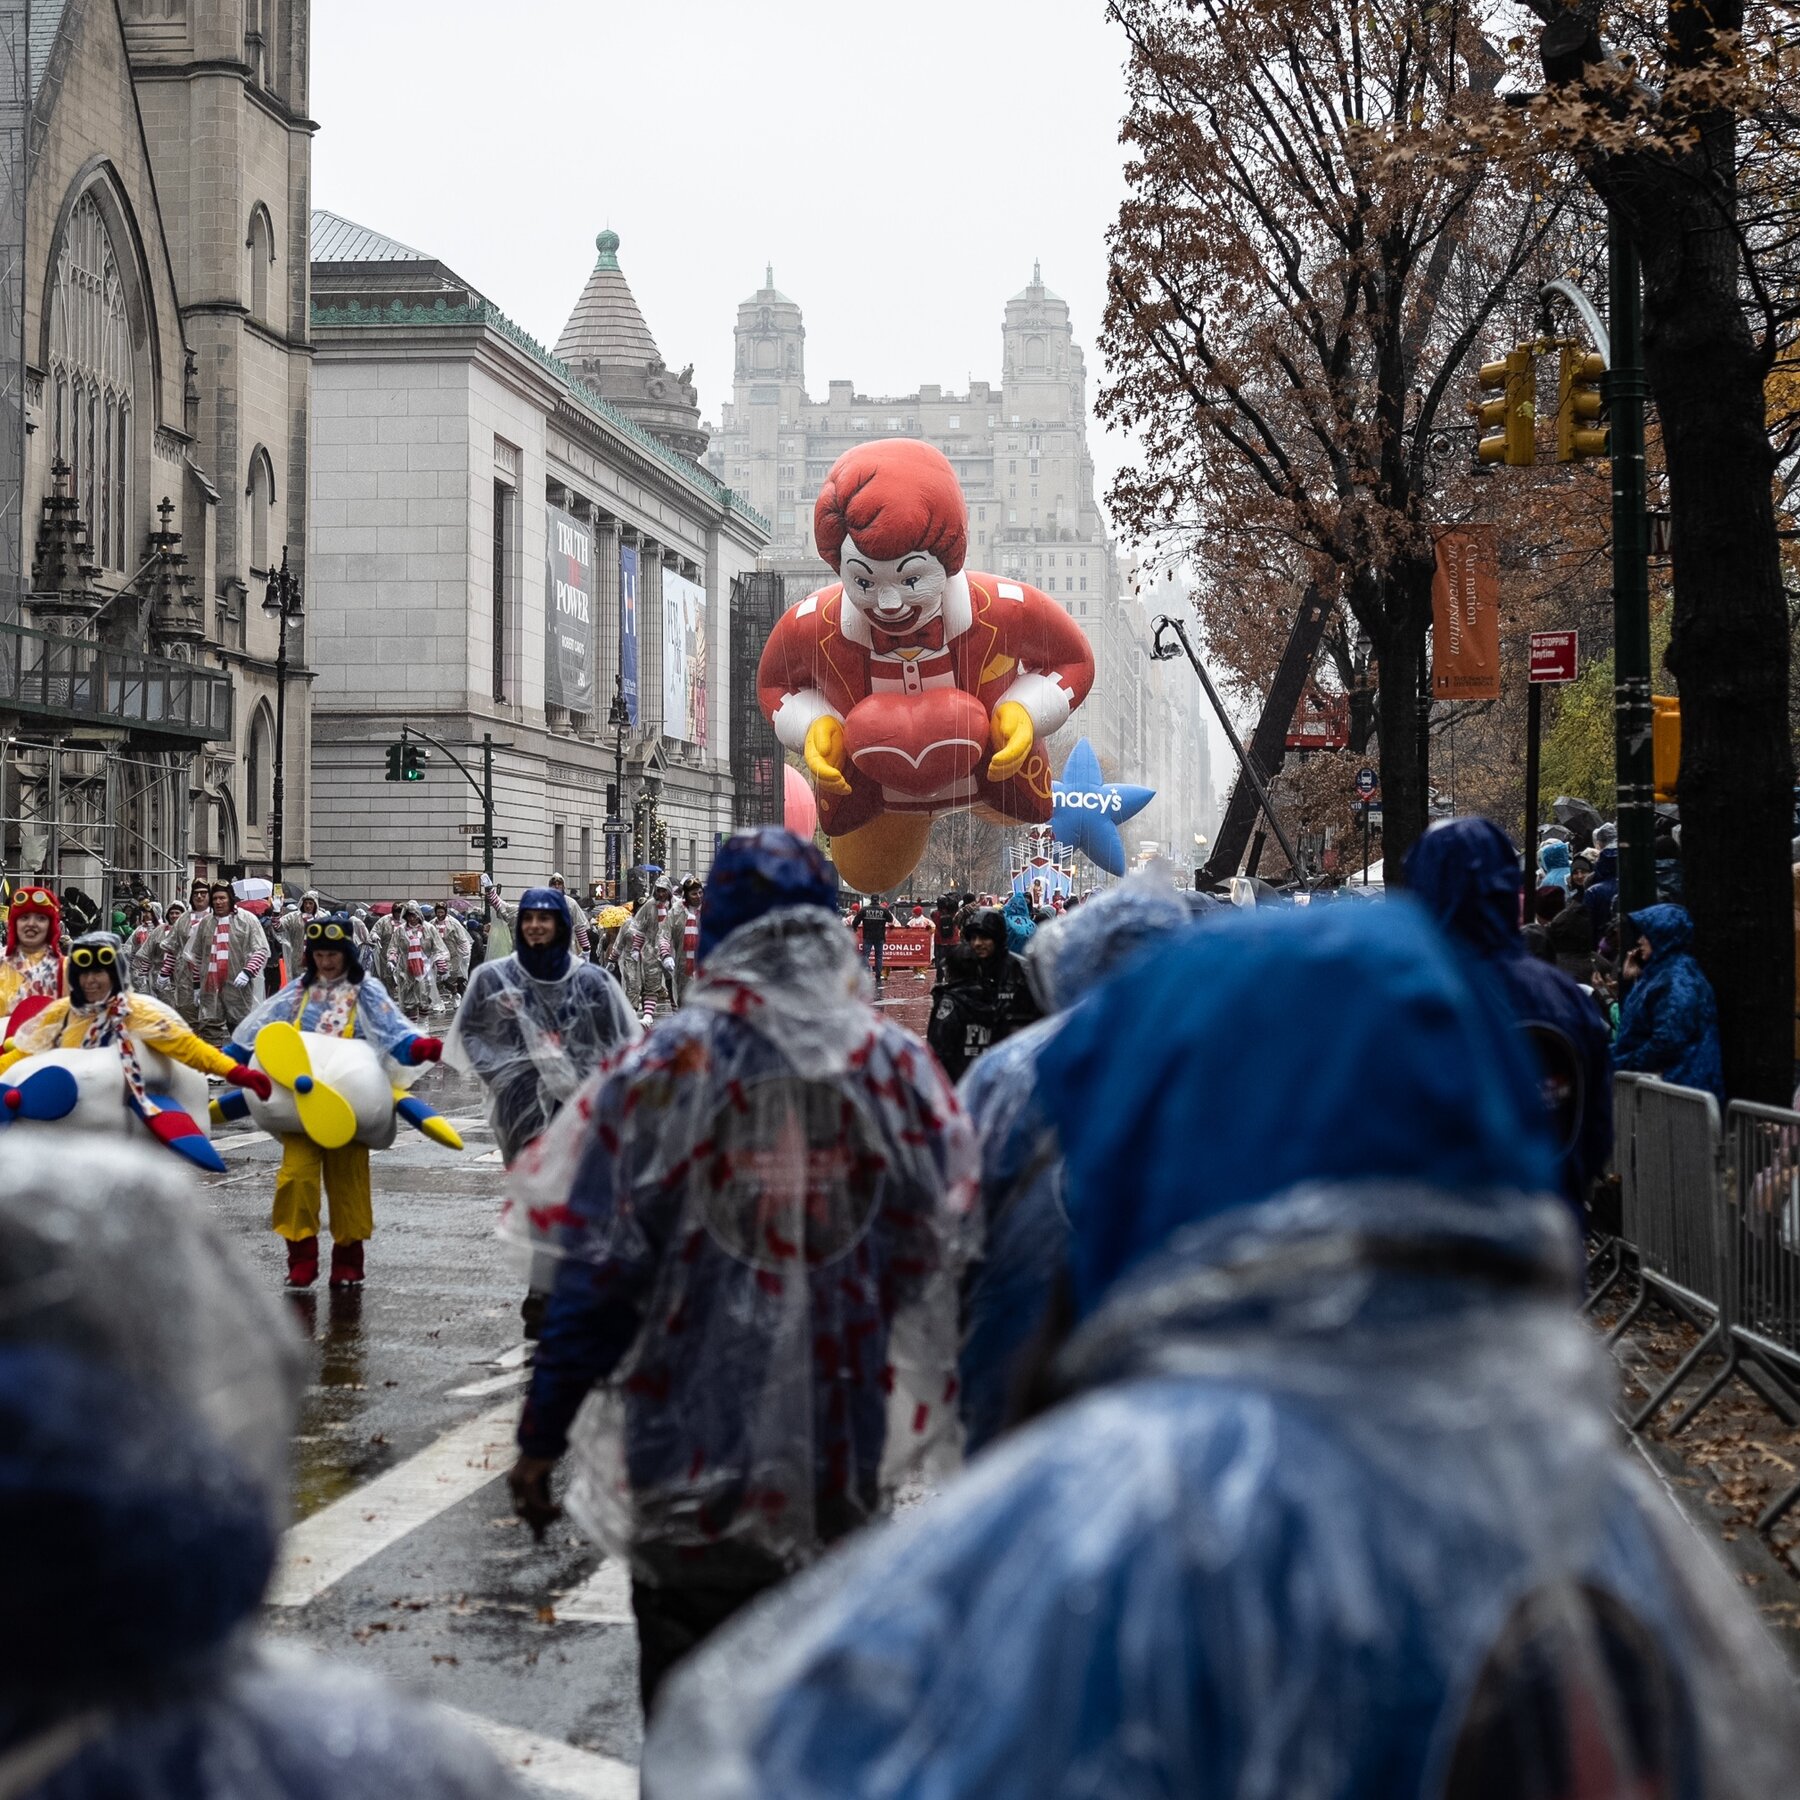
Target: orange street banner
1465, 616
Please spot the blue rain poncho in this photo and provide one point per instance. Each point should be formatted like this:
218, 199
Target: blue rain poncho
533, 1026
763, 1211
1332, 1505
1025, 1225
148, 1384
1669, 1024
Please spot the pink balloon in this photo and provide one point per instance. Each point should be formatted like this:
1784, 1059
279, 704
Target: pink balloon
800, 811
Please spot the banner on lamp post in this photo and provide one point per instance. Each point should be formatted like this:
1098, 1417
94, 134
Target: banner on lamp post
1465, 616
628, 629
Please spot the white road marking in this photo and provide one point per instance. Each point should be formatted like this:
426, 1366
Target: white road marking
550, 1766
603, 1599
513, 1358
324, 1548
494, 1384
487, 1156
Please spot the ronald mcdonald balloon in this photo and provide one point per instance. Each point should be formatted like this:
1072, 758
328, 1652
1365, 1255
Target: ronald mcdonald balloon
913, 686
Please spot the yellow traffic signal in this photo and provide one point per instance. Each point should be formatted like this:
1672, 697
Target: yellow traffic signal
1579, 404
1512, 415
1665, 744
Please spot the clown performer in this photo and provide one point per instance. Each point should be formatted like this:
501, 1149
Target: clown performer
583, 939
416, 961
647, 954
143, 948
225, 953
102, 1012
178, 966
457, 945
31, 972
684, 933
333, 997
292, 930
914, 687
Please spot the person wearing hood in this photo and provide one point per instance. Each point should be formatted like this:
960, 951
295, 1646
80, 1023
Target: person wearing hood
1601, 895
31, 971
646, 953
1324, 1497
1024, 1218
147, 1395
983, 996
1465, 873
1669, 1022
1020, 923
684, 933
335, 998
1553, 860
458, 946
141, 946
416, 962
292, 930
759, 1209
582, 939
532, 1028
101, 1011
225, 953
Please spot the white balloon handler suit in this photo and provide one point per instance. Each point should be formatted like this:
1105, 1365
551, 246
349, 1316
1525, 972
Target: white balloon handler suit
458, 946
126, 1063
148, 1395
648, 947
340, 1055
224, 955
762, 1213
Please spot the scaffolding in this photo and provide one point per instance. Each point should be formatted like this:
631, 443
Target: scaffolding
108, 817
756, 760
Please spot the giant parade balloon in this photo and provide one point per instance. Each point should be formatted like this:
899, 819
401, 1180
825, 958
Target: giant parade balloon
913, 686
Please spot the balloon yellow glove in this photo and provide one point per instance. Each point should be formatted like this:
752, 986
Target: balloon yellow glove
825, 754
1012, 738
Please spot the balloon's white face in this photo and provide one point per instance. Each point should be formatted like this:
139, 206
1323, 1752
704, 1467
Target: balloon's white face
897, 596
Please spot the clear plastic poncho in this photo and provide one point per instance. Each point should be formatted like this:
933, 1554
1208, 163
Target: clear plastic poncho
148, 1384
533, 1043
762, 1210
1313, 1523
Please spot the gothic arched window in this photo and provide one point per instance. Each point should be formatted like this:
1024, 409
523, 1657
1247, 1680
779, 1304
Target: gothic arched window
89, 380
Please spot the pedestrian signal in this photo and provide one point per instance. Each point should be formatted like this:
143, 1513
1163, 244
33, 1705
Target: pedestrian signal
1665, 745
1579, 404
1510, 418
396, 760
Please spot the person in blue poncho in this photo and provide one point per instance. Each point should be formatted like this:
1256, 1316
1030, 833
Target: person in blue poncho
148, 1387
1553, 860
1326, 1498
1465, 873
761, 1210
1669, 1023
1025, 1226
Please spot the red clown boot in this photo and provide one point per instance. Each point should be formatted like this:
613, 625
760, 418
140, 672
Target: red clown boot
303, 1262
346, 1264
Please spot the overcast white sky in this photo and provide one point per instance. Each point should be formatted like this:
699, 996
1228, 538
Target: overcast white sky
900, 165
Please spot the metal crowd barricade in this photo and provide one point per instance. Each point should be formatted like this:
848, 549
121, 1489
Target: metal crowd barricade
1614, 1253
1762, 1220
1669, 1167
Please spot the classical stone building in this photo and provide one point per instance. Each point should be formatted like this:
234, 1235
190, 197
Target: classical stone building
167, 368
1020, 449
500, 550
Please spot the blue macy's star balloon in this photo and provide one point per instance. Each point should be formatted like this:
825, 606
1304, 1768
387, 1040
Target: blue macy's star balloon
1087, 812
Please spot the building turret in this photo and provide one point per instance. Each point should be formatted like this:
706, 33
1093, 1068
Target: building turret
608, 345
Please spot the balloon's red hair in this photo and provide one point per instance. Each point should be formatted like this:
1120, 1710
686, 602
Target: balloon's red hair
893, 496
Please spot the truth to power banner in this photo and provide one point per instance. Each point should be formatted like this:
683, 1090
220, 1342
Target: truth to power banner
568, 612
1465, 616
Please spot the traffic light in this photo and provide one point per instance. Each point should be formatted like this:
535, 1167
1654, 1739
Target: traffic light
412, 762
1513, 412
396, 761
1579, 404
1665, 745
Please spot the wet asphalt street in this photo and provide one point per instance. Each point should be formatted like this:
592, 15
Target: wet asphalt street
404, 1556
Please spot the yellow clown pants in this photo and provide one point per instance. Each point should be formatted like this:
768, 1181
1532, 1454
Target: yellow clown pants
344, 1174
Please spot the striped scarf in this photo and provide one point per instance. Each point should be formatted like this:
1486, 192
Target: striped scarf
218, 969
108, 1024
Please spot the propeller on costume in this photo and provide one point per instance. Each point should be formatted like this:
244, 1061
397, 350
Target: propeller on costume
423, 1118
43, 1095
325, 1115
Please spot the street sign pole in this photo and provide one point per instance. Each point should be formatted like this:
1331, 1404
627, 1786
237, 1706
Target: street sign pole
1534, 733
1365, 814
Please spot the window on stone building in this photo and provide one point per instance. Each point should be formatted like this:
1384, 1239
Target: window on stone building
953, 423
1012, 468
1051, 584
89, 380
981, 515
259, 509
505, 536
1034, 490
260, 245
1084, 584
587, 857
259, 767
559, 839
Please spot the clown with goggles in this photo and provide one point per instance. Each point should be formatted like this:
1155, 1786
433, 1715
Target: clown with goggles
331, 997
31, 973
101, 1011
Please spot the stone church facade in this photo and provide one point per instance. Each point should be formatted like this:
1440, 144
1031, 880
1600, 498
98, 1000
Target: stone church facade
167, 414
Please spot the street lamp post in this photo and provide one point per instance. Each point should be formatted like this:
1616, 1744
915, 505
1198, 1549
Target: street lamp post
282, 599
619, 719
